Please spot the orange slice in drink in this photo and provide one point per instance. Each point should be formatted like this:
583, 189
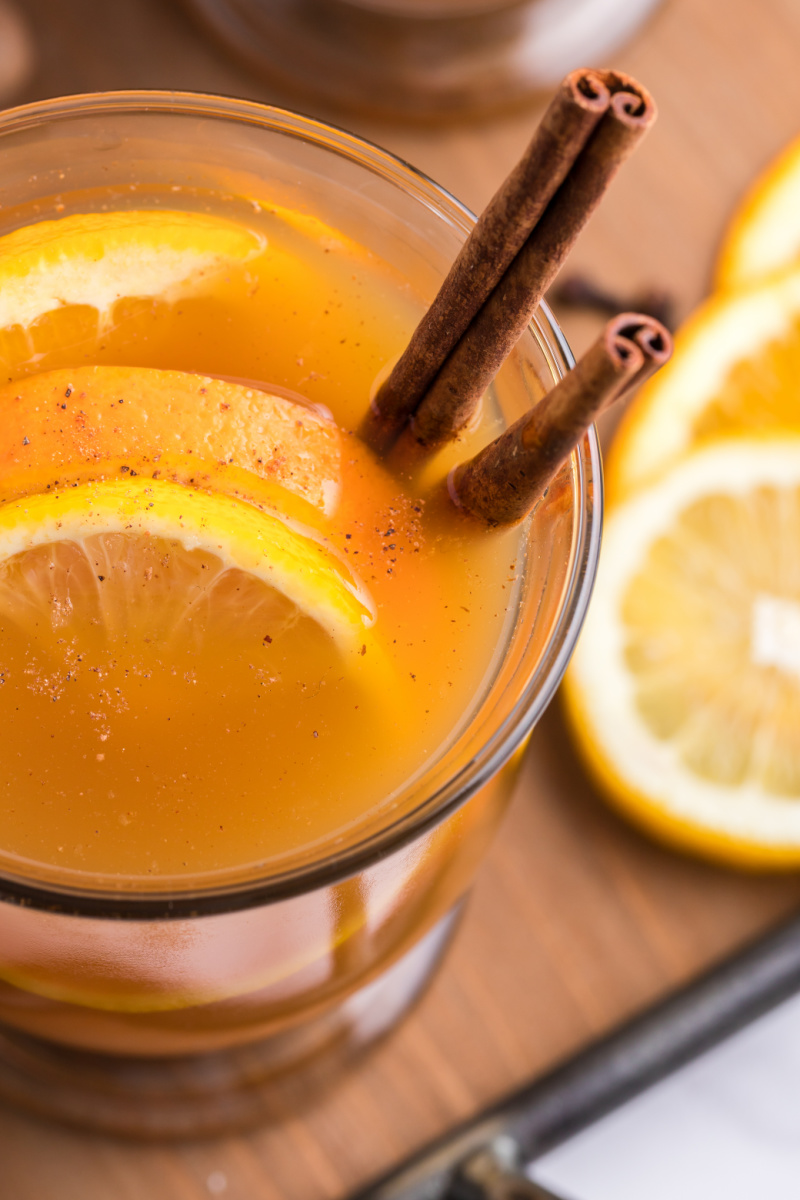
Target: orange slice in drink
96, 259
69, 426
91, 546
130, 561
61, 281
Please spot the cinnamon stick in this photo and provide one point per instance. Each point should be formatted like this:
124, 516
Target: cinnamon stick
502, 483
580, 102
456, 392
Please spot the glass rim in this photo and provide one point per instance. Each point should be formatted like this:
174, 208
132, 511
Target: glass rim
528, 706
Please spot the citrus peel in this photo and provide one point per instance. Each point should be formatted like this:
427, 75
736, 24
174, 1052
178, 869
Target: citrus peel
241, 536
763, 234
684, 691
734, 368
75, 425
97, 258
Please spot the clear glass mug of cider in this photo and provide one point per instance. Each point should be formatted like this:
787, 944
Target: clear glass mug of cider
261, 700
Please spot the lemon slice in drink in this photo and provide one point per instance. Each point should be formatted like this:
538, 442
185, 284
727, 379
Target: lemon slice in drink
764, 232
95, 259
117, 580
684, 692
735, 368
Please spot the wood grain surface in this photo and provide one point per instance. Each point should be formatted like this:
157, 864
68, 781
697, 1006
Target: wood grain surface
576, 921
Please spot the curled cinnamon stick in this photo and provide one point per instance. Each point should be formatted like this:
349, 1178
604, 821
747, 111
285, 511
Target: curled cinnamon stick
580, 102
502, 483
456, 392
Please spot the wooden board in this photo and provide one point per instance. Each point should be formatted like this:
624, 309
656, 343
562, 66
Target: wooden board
576, 920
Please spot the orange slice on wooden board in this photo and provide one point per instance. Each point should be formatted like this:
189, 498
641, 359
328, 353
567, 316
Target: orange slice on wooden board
735, 368
684, 691
764, 233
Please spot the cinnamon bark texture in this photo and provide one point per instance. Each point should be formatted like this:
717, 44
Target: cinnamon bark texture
510, 259
457, 390
578, 105
504, 481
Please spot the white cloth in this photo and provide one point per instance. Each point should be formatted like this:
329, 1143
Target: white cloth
727, 1125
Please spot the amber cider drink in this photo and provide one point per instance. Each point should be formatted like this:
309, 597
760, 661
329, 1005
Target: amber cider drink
221, 823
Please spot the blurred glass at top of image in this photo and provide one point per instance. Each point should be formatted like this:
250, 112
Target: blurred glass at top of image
420, 59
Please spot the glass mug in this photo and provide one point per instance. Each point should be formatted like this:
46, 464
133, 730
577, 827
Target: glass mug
420, 59
194, 1008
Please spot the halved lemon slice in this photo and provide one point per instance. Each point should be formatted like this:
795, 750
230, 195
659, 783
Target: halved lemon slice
97, 539
764, 233
96, 259
735, 368
684, 691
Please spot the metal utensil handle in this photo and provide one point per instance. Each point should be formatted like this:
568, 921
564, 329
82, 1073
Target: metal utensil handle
598, 1079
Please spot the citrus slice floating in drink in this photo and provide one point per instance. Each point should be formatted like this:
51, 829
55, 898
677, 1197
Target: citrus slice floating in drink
764, 232
97, 541
684, 691
63, 282
75, 425
96, 259
735, 367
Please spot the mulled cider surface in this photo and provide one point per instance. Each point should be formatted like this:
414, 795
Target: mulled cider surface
230, 638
